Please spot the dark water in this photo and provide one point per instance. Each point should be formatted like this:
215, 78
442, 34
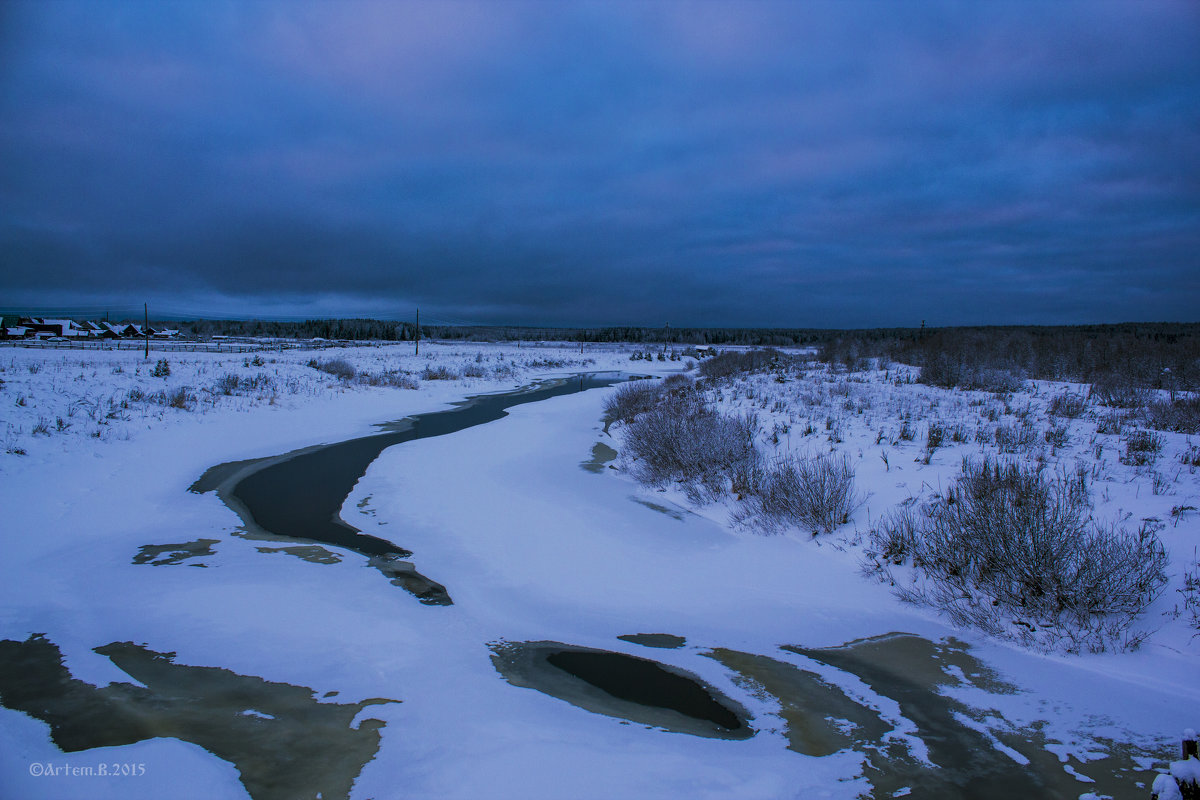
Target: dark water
626, 687
639, 680
665, 641
299, 495
284, 742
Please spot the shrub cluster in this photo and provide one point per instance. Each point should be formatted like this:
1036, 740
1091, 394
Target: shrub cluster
1119, 390
395, 379
231, 383
337, 367
1068, 405
1191, 594
628, 400
438, 373
690, 443
733, 362
1017, 554
475, 370
180, 398
944, 370
935, 436
1181, 415
1191, 456
1015, 438
813, 493
1141, 448
672, 435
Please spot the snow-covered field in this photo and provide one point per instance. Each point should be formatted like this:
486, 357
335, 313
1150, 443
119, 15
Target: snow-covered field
532, 547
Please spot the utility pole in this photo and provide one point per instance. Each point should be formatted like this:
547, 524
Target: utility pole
146, 327
417, 334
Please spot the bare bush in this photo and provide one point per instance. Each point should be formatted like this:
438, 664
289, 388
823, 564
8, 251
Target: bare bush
337, 367
504, 370
678, 384
1181, 415
227, 384
1057, 436
1141, 448
935, 436
897, 539
550, 363
1191, 456
949, 372
1008, 542
476, 370
230, 383
1068, 405
180, 398
438, 373
732, 363
692, 444
1014, 439
395, 379
1111, 424
1191, 594
1119, 390
628, 400
815, 494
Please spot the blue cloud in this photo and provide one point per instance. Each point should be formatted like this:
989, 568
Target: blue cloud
841, 164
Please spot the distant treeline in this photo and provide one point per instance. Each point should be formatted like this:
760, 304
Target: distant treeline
347, 329
1147, 355
1154, 355
355, 329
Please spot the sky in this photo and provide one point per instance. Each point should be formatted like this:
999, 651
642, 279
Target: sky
801, 164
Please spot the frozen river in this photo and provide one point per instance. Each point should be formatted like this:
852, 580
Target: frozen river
564, 632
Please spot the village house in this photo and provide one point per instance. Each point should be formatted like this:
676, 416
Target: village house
101, 330
45, 328
11, 328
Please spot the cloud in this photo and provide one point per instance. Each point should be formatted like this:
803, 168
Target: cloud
837, 164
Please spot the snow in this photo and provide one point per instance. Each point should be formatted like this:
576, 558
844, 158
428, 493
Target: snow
1165, 788
1186, 771
531, 547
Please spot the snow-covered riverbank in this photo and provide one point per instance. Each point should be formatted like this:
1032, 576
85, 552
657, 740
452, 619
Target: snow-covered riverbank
532, 548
